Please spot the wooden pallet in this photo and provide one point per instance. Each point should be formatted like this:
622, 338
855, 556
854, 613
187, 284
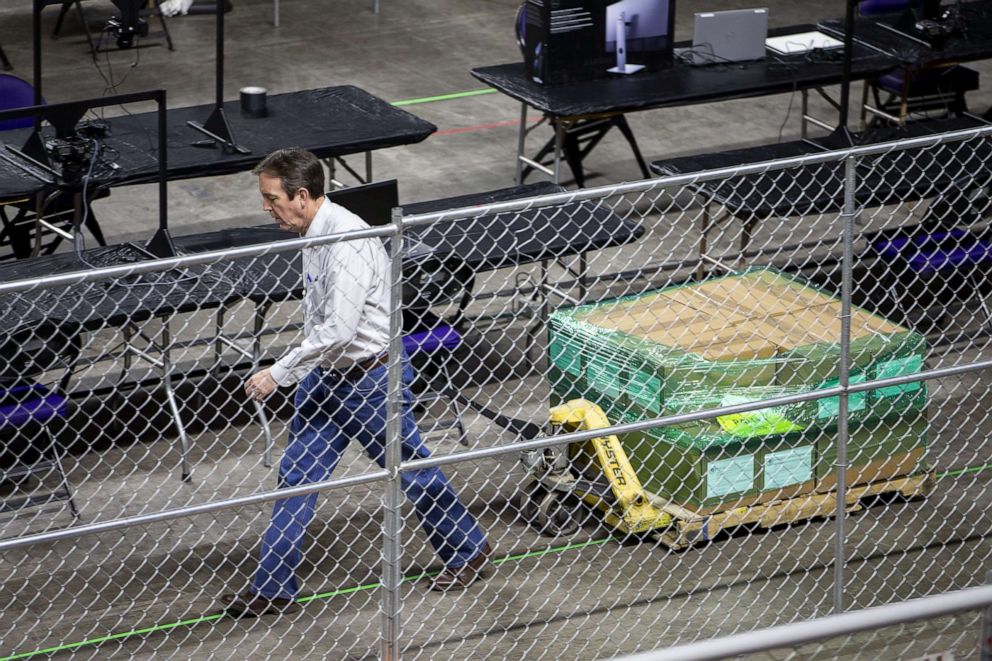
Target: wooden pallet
689, 527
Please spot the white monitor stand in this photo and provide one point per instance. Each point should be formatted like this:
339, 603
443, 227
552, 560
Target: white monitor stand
622, 66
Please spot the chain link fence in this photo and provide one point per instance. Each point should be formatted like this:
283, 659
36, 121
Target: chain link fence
923, 628
654, 399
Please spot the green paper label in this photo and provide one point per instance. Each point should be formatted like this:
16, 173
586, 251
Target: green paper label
754, 423
788, 467
899, 367
829, 407
725, 476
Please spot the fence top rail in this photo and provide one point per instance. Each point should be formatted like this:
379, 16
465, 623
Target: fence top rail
196, 259
798, 633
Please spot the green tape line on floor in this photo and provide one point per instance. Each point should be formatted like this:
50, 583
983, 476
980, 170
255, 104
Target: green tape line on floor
443, 97
963, 471
326, 595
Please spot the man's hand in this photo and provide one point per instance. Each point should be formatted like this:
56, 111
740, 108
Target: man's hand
260, 385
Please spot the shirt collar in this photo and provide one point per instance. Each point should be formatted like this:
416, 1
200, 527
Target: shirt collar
321, 222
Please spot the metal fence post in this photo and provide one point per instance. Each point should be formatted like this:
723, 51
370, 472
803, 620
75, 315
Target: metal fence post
985, 644
850, 181
393, 517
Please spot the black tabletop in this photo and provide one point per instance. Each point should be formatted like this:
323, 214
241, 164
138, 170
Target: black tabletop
332, 121
683, 84
482, 243
897, 175
970, 35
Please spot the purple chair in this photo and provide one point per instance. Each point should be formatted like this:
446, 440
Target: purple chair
15, 93
28, 408
430, 342
907, 91
929, 272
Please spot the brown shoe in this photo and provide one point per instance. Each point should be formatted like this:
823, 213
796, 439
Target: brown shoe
459, 578
248, 604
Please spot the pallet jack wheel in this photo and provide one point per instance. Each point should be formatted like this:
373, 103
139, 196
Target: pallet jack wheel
550, 512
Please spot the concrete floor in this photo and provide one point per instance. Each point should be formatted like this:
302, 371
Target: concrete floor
543, 602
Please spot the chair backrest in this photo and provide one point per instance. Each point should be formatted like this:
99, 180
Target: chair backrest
15, 93
875, 7
32, 351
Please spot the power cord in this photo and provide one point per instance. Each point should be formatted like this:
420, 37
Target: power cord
788, 112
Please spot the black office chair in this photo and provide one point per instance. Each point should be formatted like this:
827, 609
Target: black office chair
903, 93
31, 471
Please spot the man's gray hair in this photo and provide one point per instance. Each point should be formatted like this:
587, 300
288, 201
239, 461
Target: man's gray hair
296, 168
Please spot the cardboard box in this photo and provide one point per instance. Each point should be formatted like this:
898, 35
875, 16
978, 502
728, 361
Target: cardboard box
876, 450
752, 329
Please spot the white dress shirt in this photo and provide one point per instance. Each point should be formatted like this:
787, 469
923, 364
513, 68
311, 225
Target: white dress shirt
346, 304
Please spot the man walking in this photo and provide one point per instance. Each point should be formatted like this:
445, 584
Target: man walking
340, 374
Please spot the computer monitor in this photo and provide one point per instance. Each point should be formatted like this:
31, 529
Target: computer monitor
647, 32
373, 202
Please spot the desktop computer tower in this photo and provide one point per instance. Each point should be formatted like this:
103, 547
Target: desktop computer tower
566, 41
563, 40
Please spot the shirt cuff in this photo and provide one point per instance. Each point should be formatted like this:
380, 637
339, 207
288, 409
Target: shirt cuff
281, 375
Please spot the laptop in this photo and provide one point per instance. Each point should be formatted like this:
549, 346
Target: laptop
736, 35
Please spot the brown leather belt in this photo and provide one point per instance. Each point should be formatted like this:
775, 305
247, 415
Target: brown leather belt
366, 365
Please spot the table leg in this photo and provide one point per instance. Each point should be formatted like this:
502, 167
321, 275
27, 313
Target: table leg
746, 230
332, 181
521, 140
559, 142
704, 228
77, 222
170, 396
804, 113
620, 122
218, 344
275, 13
39, 217
583, 268
368, 167
116, 399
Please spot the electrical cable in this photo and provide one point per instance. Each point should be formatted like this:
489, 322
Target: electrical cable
79, 239
788, 112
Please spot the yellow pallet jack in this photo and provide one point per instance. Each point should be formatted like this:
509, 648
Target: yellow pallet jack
596, 472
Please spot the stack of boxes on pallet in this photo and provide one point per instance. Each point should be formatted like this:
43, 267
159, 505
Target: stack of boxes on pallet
740, 338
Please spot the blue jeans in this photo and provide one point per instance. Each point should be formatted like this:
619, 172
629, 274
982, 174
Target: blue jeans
330, 411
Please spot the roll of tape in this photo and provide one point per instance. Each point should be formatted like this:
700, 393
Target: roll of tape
253, 101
